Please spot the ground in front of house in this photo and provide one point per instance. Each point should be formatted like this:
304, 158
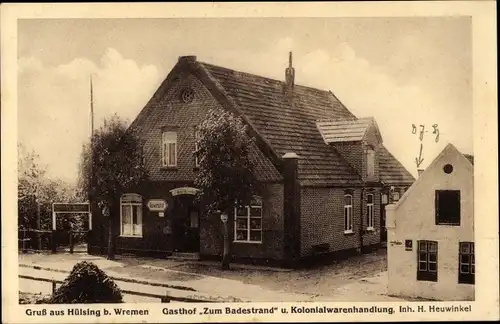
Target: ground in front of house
359, 278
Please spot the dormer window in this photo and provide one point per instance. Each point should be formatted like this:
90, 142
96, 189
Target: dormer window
370, 162
169, 149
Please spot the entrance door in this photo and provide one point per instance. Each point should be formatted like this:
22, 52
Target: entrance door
185, 225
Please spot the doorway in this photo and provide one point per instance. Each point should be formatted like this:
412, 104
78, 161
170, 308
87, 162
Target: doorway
185, 225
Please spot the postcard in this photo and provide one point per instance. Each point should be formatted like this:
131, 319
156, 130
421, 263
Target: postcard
237, 162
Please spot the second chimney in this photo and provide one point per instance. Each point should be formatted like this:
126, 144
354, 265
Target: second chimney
420, 171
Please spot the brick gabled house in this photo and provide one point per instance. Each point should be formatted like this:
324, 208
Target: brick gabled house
327, 174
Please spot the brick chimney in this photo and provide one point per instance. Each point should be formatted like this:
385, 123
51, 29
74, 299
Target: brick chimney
290, 74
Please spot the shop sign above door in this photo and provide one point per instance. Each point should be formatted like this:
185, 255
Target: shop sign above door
183, 191
157, 205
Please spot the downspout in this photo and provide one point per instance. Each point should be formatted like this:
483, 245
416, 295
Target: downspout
361, 221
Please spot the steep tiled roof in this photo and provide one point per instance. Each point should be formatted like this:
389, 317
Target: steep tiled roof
281, 126
391, 170
290, 129
335, 130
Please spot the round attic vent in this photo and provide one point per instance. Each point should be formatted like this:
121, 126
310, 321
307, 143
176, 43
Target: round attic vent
187, 95
448, 168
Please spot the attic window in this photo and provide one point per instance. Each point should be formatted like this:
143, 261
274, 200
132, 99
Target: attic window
448, 168
187, 95
370, 162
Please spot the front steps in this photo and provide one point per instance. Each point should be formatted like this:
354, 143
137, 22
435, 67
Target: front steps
193, 256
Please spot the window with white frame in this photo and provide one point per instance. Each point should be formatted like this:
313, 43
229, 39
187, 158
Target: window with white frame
131, 215
427, 255
248, 222
347, 213
369, 211
169, 149
466, 266
370, 163
196, 148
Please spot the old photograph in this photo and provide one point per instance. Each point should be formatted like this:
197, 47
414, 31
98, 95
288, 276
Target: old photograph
225, 160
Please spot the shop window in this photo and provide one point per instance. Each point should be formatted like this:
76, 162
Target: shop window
131, 215
427, 261
248, 222
466, 266
447, 205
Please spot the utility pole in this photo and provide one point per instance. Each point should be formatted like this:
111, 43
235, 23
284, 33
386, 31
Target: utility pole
91, 171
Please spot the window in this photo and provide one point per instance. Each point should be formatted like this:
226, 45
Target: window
347, 214
196, 148
370, 163
384, 199
187, 95
169, 149
248, 222
427, 260
466, 263
395, 196
131, 215
447, 207
448, 168
369, 211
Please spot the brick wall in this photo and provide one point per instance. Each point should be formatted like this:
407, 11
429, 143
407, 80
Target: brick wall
170, 112
322, 214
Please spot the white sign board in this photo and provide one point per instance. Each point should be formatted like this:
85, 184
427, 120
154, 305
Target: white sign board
184, 191
158, 205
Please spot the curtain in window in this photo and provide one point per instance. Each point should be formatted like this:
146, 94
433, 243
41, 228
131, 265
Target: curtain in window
126, 220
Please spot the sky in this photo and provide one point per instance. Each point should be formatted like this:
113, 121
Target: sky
401, 71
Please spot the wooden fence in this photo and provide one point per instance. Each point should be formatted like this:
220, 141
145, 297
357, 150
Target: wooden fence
163, 298
46, 240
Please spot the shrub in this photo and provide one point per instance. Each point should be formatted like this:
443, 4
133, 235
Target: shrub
87, 284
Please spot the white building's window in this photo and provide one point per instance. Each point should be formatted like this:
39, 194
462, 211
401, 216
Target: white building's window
131, 215
348, 214
467, 263
427, 260
248, 222
447, 206
370, 163
169, 149
369, 211
196, 148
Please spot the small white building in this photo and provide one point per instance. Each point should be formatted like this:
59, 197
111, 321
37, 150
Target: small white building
430, 243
